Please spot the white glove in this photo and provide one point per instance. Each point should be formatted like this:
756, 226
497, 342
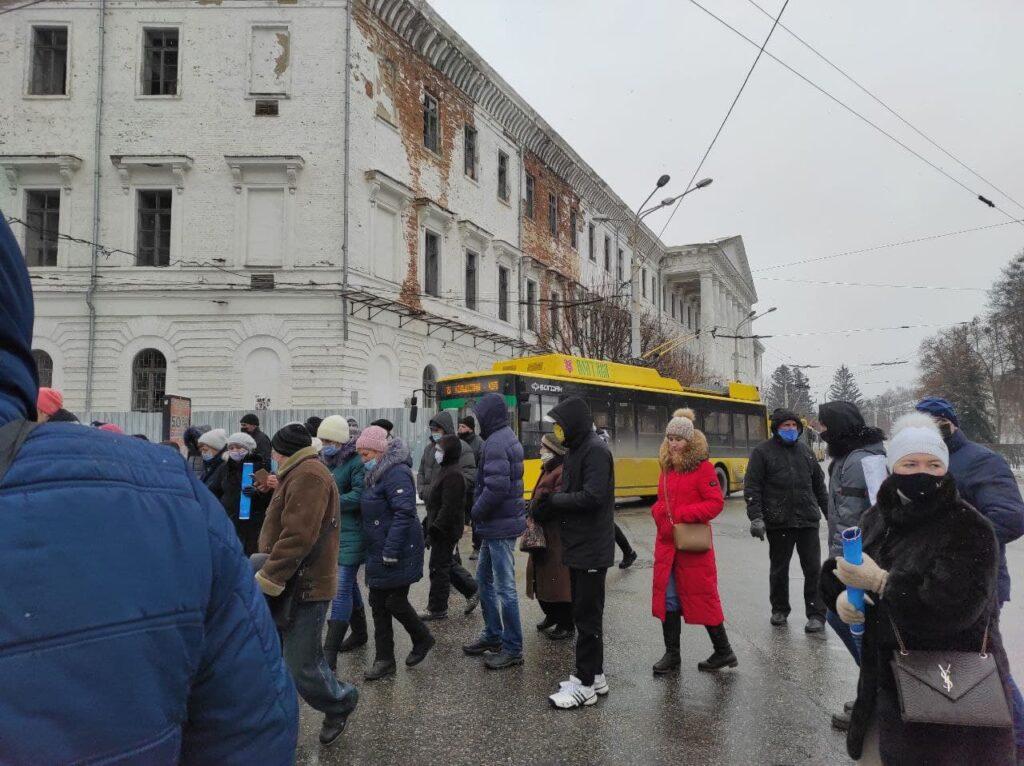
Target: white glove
867, 576
847, 612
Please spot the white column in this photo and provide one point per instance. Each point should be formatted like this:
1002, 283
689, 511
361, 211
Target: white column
708, 301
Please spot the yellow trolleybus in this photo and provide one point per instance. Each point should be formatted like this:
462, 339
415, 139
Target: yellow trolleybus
634, 404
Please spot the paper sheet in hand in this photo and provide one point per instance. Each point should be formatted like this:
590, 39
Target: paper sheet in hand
875, 472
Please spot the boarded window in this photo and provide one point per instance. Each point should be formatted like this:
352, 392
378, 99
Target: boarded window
270, 61
432, 264
160, 63
42, 212
503, 293
431, 127
149, 376
153, 237
265, 234
385, 243
49, 61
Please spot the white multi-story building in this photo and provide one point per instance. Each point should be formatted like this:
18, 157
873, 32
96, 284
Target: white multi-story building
292, 203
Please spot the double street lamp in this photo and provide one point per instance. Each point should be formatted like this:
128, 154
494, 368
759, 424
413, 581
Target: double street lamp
736, 338
641, 213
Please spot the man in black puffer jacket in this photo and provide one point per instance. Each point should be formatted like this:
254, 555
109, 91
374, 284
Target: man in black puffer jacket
585, 509
786, 497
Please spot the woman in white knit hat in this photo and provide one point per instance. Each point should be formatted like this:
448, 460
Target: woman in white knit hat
686, 581
929, 574
241, 449
212, 445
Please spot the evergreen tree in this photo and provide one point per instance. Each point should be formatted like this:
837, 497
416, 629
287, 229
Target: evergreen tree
780, 391
801, 403
844, 387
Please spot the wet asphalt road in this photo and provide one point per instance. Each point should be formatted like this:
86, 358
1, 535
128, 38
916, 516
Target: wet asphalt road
773, 709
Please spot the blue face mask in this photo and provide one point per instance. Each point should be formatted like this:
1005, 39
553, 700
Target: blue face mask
330, 451
789, 435
209, 458
369, 465
434, 437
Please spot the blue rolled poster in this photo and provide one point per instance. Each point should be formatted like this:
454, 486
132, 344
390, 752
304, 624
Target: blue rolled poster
244, 502
854, 553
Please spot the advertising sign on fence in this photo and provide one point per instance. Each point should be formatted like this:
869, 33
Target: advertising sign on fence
177, 417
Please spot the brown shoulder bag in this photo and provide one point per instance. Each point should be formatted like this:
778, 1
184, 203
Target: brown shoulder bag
688, 537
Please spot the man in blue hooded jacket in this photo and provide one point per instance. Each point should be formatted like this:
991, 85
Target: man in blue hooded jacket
131, 629
499, 517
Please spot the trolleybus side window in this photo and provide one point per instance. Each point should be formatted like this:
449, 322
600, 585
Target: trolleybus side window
756, 432
739, 430
625, 429
599, 409
651, 425
716, 428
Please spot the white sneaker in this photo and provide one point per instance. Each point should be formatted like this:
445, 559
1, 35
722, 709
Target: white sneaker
573, 695
600, 684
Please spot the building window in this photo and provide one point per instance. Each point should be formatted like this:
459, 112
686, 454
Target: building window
503, 176
471, 273
431, 127
590, 242
673, 306
160, 63
555, 324
503, 293
49, 61
531, 305
432, 264
573, 239
607, 253
643, 283
153, 240
42, 213
654, 289
553, 215
470, 151
529, 196
44, 368
429, 386
149, 376
619, 267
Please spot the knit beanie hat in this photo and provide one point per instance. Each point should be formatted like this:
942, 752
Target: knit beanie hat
216, 439
469, 421
291, 439
243, 439
250, 420
373, 437
313, 424
554, 444
49, 401
334, 428
916, 433
935, 406
681, 424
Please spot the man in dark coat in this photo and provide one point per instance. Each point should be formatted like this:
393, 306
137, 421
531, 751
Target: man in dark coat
786, 497
585, 508
985, 482
468, 434
250, 424
440, 426
499, 515
156, 615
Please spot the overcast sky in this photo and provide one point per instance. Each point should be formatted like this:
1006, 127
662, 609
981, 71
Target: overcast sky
639, 88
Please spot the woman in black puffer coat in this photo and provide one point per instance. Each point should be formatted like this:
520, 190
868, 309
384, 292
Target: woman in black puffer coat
930, 563
241, 450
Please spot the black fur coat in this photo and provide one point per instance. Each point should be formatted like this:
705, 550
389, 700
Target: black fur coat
942, 559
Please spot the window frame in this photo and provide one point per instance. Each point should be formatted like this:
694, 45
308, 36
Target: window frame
503, 292
37, 354
573, 236
591, 230
428, 115
155, 402
620, 267
138, 213
530, 198
554, 319
141, 79
471, 274
30, 60
531, 305
30, 233
427, 235
504, 188
643, 281
470, 151
607, 254
553, 215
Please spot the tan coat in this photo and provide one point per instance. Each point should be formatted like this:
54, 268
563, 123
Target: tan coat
304, 506
547, 578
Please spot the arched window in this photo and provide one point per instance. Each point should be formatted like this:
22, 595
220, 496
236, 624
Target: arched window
149, 375
429, 386
44, 365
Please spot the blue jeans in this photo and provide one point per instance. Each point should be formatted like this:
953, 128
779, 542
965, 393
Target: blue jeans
348, 593
852, 642
304, 656
671, 597
496, 576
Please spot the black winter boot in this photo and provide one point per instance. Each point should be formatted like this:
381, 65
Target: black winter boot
358, 635
336, 630
723, 656
671, 629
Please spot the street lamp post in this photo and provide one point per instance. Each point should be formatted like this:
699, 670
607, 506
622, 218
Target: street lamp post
736, 339
634, 291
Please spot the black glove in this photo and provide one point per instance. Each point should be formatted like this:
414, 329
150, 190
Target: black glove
248, 491
540, 507
757, 529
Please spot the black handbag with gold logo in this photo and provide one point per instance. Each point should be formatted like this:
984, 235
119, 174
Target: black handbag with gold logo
950, 687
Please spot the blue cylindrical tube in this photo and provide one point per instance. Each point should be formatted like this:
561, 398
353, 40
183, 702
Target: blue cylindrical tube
244, 502
854, 553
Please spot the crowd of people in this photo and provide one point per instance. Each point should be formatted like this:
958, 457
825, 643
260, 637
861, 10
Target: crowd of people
226, 577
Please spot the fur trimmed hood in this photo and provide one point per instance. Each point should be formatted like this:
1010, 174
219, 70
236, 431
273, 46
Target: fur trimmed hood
696, 452
397, 454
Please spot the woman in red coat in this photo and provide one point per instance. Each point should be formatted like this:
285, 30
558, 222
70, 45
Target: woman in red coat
686, 583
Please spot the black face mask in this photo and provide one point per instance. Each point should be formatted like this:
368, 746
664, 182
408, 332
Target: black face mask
466, 436
826, 436
946, 430
917, 487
